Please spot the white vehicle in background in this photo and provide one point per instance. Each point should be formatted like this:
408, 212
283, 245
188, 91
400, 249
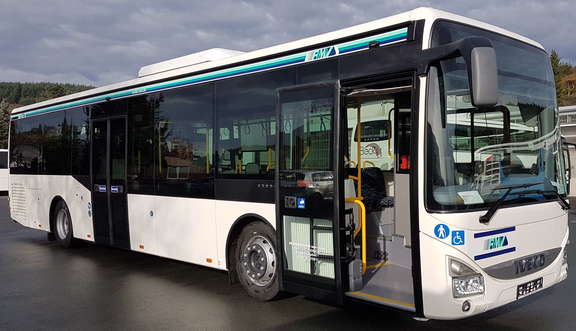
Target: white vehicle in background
4, 172
376, 138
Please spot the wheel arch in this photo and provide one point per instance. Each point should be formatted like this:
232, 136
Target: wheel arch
234, 233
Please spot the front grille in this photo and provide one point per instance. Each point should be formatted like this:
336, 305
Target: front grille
519, 268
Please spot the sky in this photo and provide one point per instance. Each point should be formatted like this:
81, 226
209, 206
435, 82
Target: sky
99, 42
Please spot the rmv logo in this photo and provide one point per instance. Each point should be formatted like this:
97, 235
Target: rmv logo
497, 242
321, 53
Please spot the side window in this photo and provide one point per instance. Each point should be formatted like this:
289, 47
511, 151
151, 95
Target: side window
246, 110
55, 144
3, 160
140, 171
79, 145
185, 130
25, 145
319, 71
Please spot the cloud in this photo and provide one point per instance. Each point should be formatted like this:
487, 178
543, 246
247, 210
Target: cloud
103, 41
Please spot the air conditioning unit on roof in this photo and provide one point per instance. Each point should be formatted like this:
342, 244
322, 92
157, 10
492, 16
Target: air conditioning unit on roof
213, 54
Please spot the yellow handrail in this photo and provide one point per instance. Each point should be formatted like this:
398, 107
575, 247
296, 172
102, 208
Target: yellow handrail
358, 199
369, 163
362, 228
270, 164
208, 155
239, 167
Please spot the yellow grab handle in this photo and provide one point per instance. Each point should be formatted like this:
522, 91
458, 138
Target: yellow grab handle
362, 228
350, 162
368, 162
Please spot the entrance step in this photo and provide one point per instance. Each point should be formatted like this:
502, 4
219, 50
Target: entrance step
388, 284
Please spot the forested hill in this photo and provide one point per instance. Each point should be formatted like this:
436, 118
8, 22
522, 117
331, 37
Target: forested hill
29, 93
13, 95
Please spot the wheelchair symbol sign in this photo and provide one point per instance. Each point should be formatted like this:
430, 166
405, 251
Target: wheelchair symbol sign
458, 238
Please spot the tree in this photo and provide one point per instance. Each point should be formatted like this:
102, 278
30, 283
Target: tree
4, 122
561, 70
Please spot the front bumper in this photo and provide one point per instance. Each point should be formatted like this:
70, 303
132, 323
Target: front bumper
438, 299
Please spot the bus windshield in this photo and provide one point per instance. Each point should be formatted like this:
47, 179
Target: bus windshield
473, 153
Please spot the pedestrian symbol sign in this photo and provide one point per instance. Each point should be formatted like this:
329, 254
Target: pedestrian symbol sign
442, 231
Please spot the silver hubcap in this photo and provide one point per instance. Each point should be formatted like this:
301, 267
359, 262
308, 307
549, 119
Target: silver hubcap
62, 224
259, 260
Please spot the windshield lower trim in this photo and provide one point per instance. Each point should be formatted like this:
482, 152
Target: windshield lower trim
485, 207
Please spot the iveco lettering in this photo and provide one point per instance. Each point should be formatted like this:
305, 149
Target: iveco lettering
413, 162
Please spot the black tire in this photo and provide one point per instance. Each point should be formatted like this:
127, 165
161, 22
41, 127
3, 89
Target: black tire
62, 225
255, 274
51, 236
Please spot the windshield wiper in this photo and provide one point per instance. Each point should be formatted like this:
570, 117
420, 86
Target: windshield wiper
559, 199
484, 219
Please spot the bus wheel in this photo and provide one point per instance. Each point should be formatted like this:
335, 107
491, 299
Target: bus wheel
63, 225
257, 263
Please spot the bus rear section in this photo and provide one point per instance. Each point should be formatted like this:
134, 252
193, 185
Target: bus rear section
4, 172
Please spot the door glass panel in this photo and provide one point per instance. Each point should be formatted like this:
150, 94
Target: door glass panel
118, 149
99, 135
307, 181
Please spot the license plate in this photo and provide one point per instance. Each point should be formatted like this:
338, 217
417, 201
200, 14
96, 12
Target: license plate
527, 288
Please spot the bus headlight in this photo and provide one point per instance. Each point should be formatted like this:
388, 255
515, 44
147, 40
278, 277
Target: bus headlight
465, 281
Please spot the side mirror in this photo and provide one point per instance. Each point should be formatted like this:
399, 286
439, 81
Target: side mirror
480, 58
567, 164
483, 70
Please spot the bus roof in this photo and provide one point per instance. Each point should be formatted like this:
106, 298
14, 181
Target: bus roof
423, 13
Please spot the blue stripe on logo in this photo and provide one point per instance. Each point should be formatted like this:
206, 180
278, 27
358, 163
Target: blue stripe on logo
491, 254
493, 232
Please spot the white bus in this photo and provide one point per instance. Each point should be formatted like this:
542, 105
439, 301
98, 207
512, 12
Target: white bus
253, 163
4, 173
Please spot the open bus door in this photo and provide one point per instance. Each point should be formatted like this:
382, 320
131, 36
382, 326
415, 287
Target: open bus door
308, 195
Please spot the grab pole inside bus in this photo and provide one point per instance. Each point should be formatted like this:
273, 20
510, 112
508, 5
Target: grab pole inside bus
358, 198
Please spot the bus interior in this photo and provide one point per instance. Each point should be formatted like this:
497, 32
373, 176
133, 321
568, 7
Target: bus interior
376, 173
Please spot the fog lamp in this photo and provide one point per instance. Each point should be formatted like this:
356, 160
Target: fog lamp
466, 306
465, 281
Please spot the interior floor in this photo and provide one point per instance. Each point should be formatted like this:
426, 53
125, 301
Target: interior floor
387, 283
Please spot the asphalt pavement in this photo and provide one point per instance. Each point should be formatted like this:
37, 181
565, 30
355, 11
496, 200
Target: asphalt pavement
43, 286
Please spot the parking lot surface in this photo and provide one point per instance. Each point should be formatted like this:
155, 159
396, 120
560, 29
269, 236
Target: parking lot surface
43, 286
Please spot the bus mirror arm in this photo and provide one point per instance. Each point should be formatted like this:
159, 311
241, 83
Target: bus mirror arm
480, 58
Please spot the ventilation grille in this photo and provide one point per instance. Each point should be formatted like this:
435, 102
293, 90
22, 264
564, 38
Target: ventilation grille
18, 202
